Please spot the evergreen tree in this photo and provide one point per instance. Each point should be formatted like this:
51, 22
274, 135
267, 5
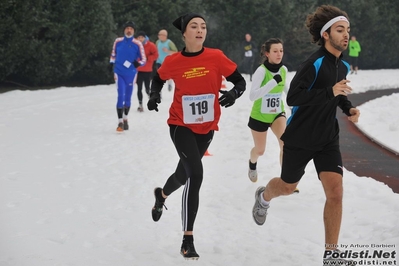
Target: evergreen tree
46, 42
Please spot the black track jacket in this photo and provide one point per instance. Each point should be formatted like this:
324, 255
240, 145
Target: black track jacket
313, 122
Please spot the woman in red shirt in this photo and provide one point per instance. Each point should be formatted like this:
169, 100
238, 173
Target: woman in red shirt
193, 115
144, 72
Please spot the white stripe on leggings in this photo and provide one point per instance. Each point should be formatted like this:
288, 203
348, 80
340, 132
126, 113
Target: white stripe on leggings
184, 211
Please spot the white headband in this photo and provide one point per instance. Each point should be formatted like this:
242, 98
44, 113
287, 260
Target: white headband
331, 22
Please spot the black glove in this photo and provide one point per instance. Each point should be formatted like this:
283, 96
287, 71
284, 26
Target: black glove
111, 67
155, 98
228, 98
277, 78
136, 64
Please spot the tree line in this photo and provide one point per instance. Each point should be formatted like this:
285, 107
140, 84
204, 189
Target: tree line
53, 43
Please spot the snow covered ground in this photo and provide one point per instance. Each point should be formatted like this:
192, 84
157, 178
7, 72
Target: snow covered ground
74, 192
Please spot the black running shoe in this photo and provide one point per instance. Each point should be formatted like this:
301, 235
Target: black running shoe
187, 250
159, 204
125, 125
120, 127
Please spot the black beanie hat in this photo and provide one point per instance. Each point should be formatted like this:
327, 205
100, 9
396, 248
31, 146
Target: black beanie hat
129, 24
140, 33
182, 21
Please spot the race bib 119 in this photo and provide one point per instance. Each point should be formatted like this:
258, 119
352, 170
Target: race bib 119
198, 109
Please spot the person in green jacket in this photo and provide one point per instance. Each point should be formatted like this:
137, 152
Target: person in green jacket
268, 84
354, 50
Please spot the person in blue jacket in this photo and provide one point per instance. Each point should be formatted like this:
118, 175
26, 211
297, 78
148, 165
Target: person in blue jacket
126, 56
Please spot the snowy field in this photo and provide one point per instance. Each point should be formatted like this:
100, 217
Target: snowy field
75, 192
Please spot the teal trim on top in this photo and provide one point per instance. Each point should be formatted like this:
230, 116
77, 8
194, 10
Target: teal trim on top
347, 65
317, 65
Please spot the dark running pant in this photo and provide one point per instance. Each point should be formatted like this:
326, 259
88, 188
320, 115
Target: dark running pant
353, 61
146, 78
189, 172
247, 65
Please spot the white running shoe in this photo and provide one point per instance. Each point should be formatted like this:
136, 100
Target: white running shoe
259, 212
253, 175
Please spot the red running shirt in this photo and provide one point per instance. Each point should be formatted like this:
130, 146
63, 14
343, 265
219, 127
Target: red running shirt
197, 80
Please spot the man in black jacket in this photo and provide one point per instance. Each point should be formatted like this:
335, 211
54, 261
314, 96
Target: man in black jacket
312, 133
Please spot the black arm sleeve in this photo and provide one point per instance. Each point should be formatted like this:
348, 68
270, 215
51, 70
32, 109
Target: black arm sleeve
345, 104
157, 83
239, 82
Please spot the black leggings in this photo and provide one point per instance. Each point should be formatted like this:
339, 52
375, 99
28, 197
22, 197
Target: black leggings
146, 78
189, 172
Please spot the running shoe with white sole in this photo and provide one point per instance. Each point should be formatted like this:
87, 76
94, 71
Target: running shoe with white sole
187, 250
259, 212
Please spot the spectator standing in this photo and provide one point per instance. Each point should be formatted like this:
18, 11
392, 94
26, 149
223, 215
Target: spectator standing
250, 51
354, 50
